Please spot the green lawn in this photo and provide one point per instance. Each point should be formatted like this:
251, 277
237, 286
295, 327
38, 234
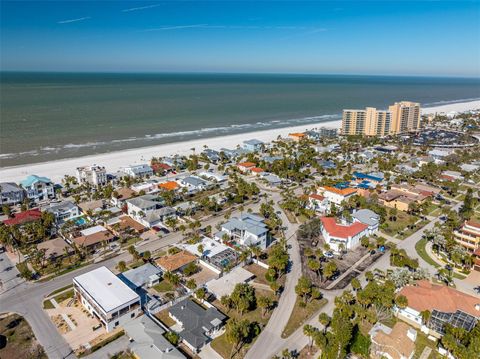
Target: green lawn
64, 296
48, 304
164, 286
400, 224
60, 290
300, 315
420, 344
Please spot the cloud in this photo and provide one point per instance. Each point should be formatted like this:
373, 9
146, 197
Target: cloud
307, 30
74, 20
141, 8
177, 27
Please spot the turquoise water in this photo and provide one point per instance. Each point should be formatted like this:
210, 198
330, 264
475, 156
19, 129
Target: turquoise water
47, 116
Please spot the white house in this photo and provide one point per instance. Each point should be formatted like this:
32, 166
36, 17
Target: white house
344, 235
64, 211
147, 187
107, 298
337, 195
141, 170
193, 183
247, 230
95, 175
146, 211
317, 203
213, 176
368, 217
38, 188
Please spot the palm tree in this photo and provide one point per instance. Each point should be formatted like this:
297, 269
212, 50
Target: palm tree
309, 331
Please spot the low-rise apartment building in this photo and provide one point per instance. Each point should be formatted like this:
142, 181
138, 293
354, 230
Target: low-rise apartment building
94, 175
63, 211
107, 298
141, 170
468, 236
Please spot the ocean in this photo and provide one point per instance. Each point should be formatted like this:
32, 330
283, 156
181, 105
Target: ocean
47, 116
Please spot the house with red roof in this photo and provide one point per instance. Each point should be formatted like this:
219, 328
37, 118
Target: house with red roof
245, 166
337, 195
346, 235
318, 203
445, 305
24, 217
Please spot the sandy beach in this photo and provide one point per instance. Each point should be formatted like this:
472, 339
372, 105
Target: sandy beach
56, 170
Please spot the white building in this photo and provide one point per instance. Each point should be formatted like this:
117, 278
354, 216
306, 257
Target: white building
11, 193
247, 230
38, 188
64, 211
336, 195
146, 211
193, 183
138, 170
344, 235
317, 203
147, 187
107, 298
95, 175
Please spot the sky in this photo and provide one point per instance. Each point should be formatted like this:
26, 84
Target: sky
427, 38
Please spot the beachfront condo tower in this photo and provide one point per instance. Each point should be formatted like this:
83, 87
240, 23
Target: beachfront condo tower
368, 122
400, 117
405, 117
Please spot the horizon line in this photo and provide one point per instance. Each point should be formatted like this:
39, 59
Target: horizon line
238, 73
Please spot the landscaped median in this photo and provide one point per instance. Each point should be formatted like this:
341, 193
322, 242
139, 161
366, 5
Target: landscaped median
300, 314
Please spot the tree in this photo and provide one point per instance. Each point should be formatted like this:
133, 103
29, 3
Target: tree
122, 266
304, 288
172, 337
243, 297
200, 249
324, 320
201, 293
147, 255
356, 284
309, 331
236, 332
265, 303
330, 270
401, 301
314, 265
191, 284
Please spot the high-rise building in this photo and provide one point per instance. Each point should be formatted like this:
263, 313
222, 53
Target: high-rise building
368, 122
400, 117
405, 117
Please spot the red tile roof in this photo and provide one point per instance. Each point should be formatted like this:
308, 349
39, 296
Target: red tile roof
158, 166
24, 217
337, 230
257, 169
473, 224
429, 296
246, 164
316, 197
169, 186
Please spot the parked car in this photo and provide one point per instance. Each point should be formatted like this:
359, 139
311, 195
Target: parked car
328, 254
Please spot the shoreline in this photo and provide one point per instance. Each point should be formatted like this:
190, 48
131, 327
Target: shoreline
55, 170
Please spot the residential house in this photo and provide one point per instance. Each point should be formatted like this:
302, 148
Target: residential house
161, 168
469, 167
297, 137
337, 195
272, 159
253, 145
402, 196
146, 210
213, 176
245, 166
247, 230
393, 343
94, 175
327, 164
149, 187
317, 203
257, 171
55, 248
193, 183
272, 180
176, 262
169, 186
214, 253
120, 196
38, 189
225, 284
368, 217
176, 162
141, 170
28, 216
445, 305
92, 238
468, 236
146, 275
63, 211
451, 176
106, 298
343, 236
439, 155
11, 194
375, 178
212, 155
198, 324
147, 340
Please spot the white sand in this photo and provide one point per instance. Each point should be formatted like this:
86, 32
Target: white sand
56, 170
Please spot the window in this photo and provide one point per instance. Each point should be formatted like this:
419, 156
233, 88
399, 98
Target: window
116, 323
132, 315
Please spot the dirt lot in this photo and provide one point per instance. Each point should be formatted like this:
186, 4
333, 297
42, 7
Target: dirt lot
17, 339
203, 276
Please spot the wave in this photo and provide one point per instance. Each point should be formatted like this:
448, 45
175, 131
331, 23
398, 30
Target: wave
245, 127
448, 102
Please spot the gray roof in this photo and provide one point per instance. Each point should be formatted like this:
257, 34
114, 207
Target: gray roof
142, 201
194, 181
61, 206
196, 320
156, 215
273, 179
6, 187
367, 217
140, 275
148, 340
248, 222
253, 142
